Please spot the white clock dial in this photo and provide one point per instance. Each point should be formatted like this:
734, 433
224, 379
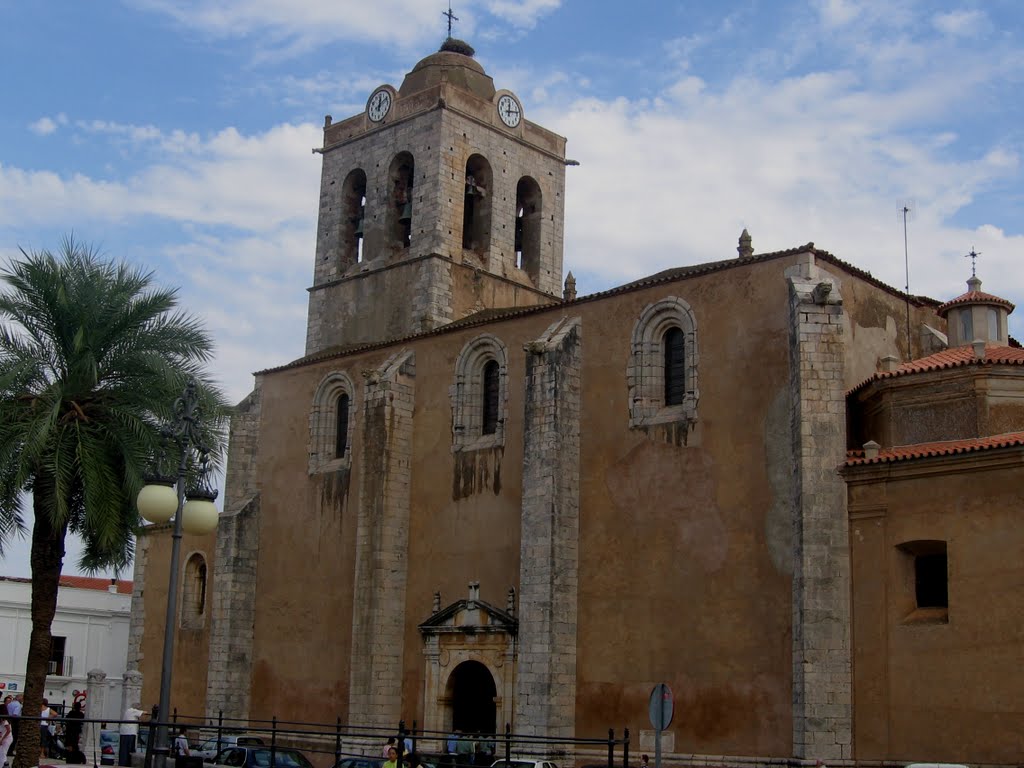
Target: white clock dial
509, 111
379, 105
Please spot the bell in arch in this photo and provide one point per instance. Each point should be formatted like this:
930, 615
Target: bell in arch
406, 214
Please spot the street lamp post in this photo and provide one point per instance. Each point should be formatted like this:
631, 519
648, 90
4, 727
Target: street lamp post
162, 498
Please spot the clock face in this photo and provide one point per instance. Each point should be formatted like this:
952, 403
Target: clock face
379, 105
509, 111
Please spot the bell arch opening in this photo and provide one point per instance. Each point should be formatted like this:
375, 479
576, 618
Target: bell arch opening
472, 693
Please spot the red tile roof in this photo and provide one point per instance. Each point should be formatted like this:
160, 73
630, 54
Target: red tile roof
665, 276
89, 582
928, 450
950, 358
974, 297
99, 584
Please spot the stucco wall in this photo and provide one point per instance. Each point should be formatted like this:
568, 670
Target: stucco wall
941, 691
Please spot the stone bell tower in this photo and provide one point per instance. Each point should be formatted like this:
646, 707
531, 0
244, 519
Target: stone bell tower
437, 201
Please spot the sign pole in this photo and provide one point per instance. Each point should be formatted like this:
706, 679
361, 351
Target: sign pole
660, 711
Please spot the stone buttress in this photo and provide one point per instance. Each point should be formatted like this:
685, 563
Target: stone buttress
549, 551
382, 540
822, 701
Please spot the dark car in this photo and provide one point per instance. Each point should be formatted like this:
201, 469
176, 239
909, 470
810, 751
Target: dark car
259, 757
359, 762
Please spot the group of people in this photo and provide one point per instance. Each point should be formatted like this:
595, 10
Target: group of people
70, 729
470, 748
390, 754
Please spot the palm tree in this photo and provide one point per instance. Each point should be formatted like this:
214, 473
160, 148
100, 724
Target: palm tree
92, 357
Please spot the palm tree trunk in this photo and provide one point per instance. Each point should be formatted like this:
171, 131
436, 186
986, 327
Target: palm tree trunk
47, 561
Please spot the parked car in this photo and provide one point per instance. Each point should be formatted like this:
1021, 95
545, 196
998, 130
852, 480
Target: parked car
523, 764
259, 757
359, 762
209, 749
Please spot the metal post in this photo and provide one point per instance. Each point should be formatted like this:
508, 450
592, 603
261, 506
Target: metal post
273, 740
611, 748
337, 742
508, 741
625, 749
401, 742
162, 747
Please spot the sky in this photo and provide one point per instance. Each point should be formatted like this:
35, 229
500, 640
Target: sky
177, 134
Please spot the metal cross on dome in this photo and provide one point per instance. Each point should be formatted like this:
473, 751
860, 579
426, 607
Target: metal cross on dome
973, 256
451, 17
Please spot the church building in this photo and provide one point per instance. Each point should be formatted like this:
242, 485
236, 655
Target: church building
787, 490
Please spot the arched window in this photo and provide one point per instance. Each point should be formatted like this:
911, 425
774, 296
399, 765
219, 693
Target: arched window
400, 207
476, 212
528, 227
193, 604
480, 395
331, 424
353, 214
662, 373
490, 397
675, 365
341, 428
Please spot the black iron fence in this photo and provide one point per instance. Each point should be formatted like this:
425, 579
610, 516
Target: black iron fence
333, 743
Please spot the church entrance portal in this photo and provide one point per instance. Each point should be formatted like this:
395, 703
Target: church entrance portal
472, 692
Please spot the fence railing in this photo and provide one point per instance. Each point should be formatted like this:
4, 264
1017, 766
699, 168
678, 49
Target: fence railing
339, 741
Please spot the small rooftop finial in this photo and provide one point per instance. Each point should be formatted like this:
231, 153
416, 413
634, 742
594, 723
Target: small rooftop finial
569, 292
451, 17
745, 249
973, 256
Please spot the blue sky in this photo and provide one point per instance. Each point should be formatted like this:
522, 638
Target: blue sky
177, 134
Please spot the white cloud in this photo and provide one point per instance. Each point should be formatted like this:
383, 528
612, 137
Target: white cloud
303, 24
960, 23
522, 13
44, 126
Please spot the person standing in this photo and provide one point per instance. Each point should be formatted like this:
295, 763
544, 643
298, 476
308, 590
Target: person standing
129, 733
181, 744
14, 713
45, 736
73, 728
6, 737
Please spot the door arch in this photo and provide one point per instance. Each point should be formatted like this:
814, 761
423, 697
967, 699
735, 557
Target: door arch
472, 693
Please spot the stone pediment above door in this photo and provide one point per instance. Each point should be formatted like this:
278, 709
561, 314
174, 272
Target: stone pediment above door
471, 615
470, 662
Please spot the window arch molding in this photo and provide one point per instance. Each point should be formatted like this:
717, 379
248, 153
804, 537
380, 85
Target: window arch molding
469, 395
195, 580
326, 451
646, 373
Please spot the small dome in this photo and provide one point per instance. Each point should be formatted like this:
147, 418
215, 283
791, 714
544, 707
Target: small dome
454, 64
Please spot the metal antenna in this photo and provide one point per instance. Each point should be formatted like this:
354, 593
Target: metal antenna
973, 256
906, 213
451, 17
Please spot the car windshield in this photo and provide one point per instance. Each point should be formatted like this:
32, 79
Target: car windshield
283, 758
512, 764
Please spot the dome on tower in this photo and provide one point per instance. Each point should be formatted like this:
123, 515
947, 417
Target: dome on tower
976, 315
454, 64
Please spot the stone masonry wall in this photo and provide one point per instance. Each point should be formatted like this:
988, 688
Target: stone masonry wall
229, 670
549, 551
382, 540
137, 620
822, 684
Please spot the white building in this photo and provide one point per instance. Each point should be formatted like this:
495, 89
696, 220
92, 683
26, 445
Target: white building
90, 631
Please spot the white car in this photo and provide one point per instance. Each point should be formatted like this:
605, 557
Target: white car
523, 764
